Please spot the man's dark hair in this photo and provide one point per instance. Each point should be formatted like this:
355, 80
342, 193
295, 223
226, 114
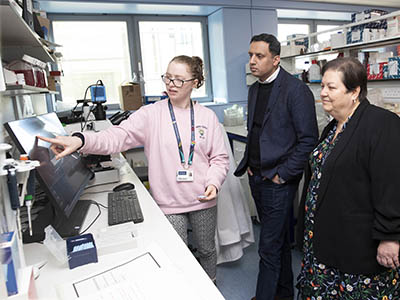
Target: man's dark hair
273, 43
354, 74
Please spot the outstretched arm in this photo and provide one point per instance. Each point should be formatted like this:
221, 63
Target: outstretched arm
63, 145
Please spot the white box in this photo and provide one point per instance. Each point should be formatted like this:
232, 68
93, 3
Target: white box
393, 26
291, 50
10, 77
104, 176
367, 35
285, 50
116, 238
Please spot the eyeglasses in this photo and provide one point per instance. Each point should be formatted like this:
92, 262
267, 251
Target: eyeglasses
176, 82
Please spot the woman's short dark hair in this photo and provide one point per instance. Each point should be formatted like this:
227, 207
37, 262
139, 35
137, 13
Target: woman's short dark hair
353, 73
195, 64
273, 43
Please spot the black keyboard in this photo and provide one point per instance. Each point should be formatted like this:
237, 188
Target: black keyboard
123, 206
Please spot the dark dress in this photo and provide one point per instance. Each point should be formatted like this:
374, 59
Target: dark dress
317, 281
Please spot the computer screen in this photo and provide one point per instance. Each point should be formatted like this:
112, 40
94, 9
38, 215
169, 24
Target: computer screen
62, 180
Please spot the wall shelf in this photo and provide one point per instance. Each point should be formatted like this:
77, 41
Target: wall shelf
17, 36
20, 90
375, 80
362, 45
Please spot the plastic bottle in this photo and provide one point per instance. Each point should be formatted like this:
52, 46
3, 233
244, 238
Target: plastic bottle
314, 72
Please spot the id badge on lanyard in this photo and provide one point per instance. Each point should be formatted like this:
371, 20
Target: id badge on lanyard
184, 175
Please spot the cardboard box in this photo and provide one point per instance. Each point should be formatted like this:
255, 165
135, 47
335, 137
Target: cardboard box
154, 99
393, 26
45, 24
81, 250
338, 39
394, 67
51, 83
375, 71
355, 35
130, 96
301, 40
291, 50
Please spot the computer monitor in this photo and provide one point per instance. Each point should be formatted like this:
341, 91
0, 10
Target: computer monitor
62, 180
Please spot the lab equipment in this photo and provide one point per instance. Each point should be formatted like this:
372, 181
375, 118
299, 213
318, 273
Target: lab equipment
123, 206
10, 261
81, 250
55, 244
62, 180
17, 172
124, 187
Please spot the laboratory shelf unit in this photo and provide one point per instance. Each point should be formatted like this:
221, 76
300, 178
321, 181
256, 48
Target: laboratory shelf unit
20, 90
17, 37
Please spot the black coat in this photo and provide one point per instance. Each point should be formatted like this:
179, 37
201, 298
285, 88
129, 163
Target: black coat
358, 202
289, 130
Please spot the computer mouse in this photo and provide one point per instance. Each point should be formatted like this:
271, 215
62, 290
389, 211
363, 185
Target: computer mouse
124, 187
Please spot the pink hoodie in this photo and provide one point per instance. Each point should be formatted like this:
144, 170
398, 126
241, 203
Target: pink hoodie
151, 126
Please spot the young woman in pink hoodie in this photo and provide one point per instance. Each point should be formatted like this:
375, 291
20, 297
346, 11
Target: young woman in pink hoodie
184, 145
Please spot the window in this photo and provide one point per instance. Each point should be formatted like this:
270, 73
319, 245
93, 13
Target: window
92, 50
284, 30
325, 36
161, 39
288, 26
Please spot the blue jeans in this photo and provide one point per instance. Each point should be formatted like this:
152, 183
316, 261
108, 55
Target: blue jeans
274, 204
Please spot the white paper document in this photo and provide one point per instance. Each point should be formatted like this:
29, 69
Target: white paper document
148, 276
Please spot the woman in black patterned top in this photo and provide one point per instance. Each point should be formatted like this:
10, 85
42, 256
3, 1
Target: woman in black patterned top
350, 208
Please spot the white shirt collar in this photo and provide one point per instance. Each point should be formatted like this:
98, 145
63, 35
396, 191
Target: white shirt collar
272, 77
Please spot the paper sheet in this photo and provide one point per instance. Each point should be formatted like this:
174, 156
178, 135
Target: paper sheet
148, 276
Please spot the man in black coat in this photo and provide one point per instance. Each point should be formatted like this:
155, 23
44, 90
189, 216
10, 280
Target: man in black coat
282, 131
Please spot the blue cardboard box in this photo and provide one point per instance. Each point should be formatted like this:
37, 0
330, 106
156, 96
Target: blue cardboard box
10, 262
154, 99
81, 250
355, 34
394, 67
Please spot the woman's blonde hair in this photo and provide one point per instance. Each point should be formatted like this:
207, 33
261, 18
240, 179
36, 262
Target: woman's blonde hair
195, 64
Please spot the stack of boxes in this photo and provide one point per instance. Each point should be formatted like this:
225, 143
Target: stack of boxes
295, 47
383, 66
369, 31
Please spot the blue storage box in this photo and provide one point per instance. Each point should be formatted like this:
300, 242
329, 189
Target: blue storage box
154, 99
81, 250
355, 35
394, 67
10, 262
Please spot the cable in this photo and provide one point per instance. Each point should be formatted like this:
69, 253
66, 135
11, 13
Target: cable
102, 205
99, 192
87, 117
98, 83
95, 203
95, 219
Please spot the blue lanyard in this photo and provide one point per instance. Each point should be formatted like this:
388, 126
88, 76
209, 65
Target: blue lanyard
178, 137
